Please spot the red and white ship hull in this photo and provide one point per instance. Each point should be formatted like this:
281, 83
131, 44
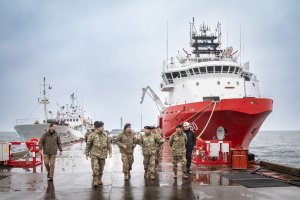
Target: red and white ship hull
240, 117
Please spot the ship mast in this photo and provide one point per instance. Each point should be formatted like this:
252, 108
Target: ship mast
45, 100
203, 42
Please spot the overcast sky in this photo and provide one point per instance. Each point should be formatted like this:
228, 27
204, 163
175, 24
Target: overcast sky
108, 50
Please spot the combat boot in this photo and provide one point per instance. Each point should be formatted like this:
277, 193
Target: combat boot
95, 182
152, 176
126, 176
185, 176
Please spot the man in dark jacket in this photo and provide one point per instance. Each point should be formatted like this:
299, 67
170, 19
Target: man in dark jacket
50, 143
191, 141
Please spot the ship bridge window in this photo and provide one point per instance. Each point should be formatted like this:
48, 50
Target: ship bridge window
231, 70
210, 69
218, 69
225, 69
196, 70
175, 74
191, 71
203, 70
236, 70
169, 77
183, 74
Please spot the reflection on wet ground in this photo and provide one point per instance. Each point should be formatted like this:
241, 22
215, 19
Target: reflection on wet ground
73, 179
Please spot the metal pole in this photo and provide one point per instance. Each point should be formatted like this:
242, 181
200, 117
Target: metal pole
141, 117
44, 101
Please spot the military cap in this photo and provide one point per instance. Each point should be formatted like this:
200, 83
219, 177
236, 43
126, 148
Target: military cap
127, 125
179, 126
149, 127
98, 124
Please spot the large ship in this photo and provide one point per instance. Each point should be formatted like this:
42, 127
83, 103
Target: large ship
211, 89
70, 119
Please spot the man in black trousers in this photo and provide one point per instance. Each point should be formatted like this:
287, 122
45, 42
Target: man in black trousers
191, 141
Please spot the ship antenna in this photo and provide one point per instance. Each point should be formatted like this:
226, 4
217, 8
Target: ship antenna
227, 33
241, 45
167, 46
45, 101
141, 116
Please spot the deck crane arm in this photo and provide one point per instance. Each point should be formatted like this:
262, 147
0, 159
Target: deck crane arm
154, 97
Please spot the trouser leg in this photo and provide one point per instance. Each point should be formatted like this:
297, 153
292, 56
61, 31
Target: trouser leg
130, 161
101, 166
95, 166
174, 162
52, 165
46, 162
183, 164
125, 162
146, 162
151, 164
188, 160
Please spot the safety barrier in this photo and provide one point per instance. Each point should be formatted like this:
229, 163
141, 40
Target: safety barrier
25, 162
211, 152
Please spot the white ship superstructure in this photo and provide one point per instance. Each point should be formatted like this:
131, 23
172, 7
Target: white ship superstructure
208, 73
72, 124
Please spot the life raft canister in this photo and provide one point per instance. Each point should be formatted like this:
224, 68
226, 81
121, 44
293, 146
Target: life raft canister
30, 145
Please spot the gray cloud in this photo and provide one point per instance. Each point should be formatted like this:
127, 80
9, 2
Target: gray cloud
109, 51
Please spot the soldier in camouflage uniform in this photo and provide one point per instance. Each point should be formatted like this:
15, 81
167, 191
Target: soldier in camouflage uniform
159, 146
97, 147
178, 142
149, 142
127, 142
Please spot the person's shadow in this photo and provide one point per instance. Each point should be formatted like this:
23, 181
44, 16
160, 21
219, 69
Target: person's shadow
50, 192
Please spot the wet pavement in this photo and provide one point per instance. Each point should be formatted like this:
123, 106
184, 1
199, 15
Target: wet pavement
73, 180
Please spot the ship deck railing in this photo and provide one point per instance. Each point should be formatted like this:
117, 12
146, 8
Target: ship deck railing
29, 121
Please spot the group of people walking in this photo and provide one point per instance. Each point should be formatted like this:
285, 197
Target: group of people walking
98, 148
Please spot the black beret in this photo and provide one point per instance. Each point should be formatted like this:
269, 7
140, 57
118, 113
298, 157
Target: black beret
98, 124
127, 125
179, 126
148, 127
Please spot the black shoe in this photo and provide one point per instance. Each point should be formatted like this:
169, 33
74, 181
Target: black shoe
50, 178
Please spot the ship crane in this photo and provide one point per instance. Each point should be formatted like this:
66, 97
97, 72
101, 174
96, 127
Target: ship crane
154, 97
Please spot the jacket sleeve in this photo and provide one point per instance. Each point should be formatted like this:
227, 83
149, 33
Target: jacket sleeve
171, 140
185, 139
159, 140
119, 140
89, 144
194, 139
140, 140
109, 145
41, 142
59, 143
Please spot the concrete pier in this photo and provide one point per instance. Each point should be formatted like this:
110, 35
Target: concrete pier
73, 180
